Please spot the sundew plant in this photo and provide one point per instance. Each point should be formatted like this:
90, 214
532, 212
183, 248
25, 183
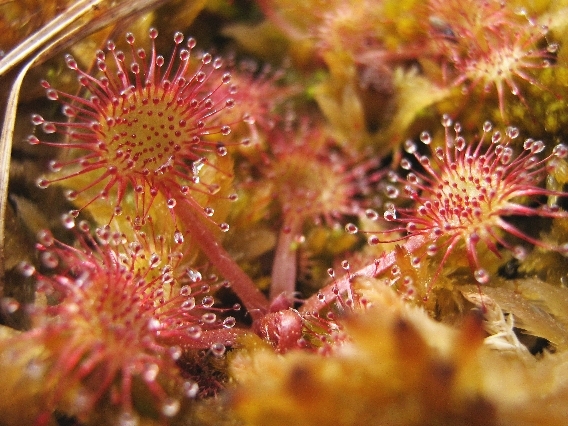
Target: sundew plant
260, 212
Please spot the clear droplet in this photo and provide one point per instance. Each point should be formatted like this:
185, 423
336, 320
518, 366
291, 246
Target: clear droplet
512, 132
520, 253
459, 143
410, 146
425, 138
481, 276
49, 260
390, 214
194, 276
194, 331
175, 352
10, 305
229, 322
33, 140
209, 317
432, 249
373, 240
351, 228
68, 221
391, 191
42, 183
126, 418
188, 305
26, 269
150, 372
371, 214
178, 237
560, 150
190, 389
170, 407
207, 301
218, 349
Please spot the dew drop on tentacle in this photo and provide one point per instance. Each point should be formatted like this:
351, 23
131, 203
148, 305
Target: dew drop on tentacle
512, 132
193, 275
496, 137
127, 418
68, 220
188, 305
185, 291
560, 150
351, 228
26, 269
45, 238
37, 119
405, 164
410, 146
209, 317
425, 138
178, 237
33, 140
390, 214
395, 270
42, 183
221, 150
459, 143
373, 240
175, 352
371, 214
218, 349
190, 389
194, 331
207, 301
432, 249
391, 192
520, 253
446, 120
170, 407
392, 176
9, 305
229, 322
481, 276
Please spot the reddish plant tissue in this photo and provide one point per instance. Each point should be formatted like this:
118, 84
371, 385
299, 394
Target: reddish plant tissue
146, 127
315, 181
489, 44
465, 190
150, 127
124, 313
